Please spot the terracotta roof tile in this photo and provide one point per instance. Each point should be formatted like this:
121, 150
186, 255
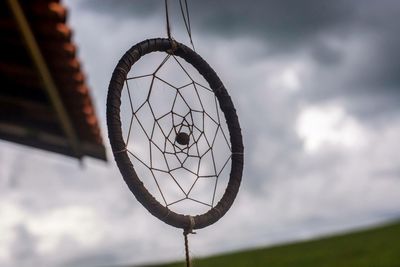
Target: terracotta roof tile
47, 20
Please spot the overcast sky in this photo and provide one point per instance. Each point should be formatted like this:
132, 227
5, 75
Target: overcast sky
316, 86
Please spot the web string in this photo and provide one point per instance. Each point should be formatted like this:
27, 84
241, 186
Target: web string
196, 130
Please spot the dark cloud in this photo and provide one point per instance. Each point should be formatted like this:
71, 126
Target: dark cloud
292, 27
284, 23
325, 54
123, 8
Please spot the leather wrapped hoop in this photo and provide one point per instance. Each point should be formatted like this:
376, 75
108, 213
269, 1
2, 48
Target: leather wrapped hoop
119, 147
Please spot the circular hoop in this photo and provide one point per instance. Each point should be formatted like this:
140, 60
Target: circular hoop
119, 147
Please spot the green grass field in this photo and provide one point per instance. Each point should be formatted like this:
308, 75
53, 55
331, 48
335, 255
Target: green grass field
378, 247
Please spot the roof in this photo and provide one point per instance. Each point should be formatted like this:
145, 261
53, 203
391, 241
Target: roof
44, 99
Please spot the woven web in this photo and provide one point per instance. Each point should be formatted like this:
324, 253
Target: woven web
171, 100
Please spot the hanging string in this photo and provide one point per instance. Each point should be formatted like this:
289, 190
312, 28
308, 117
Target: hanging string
186, 232
186, 20
188, 263
167, 18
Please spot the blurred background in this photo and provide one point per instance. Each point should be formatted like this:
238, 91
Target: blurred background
316, 86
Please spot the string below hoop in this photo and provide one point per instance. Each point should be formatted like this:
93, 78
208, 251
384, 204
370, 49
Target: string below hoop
186, 232
187, 256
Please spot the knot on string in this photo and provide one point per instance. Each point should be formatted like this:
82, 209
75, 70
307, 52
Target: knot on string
189, 230
174, 46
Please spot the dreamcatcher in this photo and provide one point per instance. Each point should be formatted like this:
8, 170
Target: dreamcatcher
174, 132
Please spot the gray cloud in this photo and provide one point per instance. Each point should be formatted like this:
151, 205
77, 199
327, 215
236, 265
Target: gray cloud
123, 8
289, 28
24, 247
286, 23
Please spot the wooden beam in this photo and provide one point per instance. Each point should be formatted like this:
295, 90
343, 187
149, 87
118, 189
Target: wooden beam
45, 75
46, 140
29, 114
